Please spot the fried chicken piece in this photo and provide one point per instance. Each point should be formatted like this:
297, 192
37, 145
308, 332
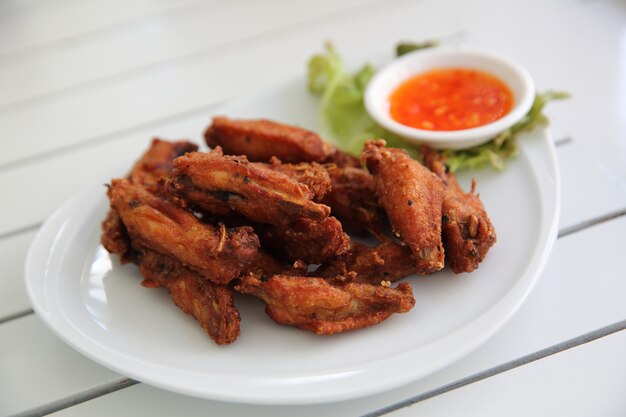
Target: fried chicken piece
305, 239
210, 304
115, 237
353, 201
313, 175
156, 162
467, 231
343, 159
153, 166
223, 184
261, 139
317, 305
412, 197
388, 261
265, 265
218, 254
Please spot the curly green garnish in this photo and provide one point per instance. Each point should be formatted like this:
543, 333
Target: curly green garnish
406, 47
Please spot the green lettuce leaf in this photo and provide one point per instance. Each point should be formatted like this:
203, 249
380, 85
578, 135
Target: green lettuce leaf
345, 121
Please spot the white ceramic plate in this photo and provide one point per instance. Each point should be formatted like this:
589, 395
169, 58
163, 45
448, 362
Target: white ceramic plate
99, 308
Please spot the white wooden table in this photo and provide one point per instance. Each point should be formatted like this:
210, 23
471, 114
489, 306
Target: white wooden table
85, 84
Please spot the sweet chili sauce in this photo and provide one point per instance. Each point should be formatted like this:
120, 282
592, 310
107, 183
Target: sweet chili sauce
450, 99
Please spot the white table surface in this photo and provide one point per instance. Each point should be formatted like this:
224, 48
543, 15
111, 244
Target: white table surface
85, 84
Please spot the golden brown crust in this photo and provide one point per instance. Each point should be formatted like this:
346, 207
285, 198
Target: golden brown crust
412, 197
115, 237
217, 253
210, 304
156, 163
304, 239
317, 305
153, 167
261, 139
388, 261
223, 184
265, 265
352, 200
342, 159
313, 175
468, 234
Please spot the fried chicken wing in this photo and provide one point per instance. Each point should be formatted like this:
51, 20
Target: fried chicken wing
218, 254
210, 304
153, 166
353, 201
388, 261
317, 305
222, 184
412, 197
156, 163
468, 234
304, 239
260, 140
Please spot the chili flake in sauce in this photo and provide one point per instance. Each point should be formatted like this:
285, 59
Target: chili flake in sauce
450, 99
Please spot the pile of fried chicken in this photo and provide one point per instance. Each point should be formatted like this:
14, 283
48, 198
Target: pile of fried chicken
266, 212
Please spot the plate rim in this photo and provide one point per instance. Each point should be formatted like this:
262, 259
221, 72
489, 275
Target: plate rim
314, 392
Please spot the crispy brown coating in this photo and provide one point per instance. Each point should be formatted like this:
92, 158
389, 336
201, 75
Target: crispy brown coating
313, 175
343, 159
468, 234
210, 304
266, 265
260, 140
156, 163
217, 253
412, 197
115, 237
153, 166
388, 261
304, 239
223, 184
352, 200
322, 307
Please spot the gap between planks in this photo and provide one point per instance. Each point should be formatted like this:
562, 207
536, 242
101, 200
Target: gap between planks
25, 51
507, 366
110, 137
78, 398
221, 49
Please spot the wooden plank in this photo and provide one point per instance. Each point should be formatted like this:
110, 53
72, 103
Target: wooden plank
588, 380
29, 352
13, 299
195, 29
27, 28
